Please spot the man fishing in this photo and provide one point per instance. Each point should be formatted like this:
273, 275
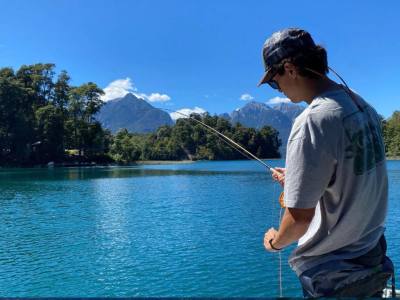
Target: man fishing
335, 179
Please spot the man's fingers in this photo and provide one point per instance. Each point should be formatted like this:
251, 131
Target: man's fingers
278, 176
278, 171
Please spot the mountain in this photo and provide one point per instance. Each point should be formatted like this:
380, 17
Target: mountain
289, 109
256, 115
137, 115
225, 116
132, 113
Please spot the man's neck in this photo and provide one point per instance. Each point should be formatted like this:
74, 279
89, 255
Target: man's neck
320, 86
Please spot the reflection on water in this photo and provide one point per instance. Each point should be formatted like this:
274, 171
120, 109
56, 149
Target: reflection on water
167, 230
111, 172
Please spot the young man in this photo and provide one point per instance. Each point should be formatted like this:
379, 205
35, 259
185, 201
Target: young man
335, 180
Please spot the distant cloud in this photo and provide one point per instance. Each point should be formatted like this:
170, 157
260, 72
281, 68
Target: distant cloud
277, 100
186, 111
157, 97
120, 87
246, 97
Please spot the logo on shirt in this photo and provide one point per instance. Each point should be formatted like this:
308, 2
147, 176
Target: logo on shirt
365, 145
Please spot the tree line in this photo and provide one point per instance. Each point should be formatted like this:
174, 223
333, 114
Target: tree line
391, 133
42, 114
44, 118
188, 139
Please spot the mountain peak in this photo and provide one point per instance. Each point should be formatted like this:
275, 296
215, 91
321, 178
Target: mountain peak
289, 109
132, 96
132, 113
256, 114
127, 97
256, 105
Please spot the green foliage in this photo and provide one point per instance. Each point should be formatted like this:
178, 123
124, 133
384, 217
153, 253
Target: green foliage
83, 131
43, 118
40, 117
125, 147
190, 140
391, 134
15, 119
49, 124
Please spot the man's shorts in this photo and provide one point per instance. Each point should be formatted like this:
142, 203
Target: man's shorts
364, 276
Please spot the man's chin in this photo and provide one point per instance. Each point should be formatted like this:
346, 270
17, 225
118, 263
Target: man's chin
295, 100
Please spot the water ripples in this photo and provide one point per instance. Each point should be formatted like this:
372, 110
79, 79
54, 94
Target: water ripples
174, 231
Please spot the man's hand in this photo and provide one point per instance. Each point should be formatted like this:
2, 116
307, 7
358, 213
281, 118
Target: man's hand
270, 234
294, 224
279, 175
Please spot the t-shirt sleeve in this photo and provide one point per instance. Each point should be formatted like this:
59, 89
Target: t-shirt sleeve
310, 161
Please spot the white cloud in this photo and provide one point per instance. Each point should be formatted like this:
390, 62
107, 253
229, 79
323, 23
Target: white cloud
157, 97
120, 87
246, 97
277, 100
186, 111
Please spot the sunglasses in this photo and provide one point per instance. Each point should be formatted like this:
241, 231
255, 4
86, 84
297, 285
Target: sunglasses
272, 83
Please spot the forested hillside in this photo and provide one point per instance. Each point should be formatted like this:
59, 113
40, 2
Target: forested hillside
189, 140
43, 118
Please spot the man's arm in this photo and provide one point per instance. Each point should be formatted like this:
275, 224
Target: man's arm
294, 225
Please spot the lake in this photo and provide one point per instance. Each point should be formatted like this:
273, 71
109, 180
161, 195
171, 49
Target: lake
184, 230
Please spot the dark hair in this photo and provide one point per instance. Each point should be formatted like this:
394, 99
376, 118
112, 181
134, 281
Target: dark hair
315, 59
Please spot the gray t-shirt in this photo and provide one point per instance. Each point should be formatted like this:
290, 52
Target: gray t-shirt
335, 162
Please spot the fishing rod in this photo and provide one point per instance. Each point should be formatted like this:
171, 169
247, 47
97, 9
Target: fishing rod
233, 145
250, 156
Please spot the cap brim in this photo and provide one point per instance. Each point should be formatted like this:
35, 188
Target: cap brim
265, 78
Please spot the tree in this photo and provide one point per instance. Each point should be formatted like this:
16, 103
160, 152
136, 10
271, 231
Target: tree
84, 103
123, 149
391, 134
38, 81
49, 132
190, 140
40, 117
16, 128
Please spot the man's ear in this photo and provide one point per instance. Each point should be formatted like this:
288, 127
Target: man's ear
291, 69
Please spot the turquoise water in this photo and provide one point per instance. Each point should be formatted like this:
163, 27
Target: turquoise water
158, 230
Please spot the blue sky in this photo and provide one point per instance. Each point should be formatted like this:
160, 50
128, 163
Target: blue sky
203, 53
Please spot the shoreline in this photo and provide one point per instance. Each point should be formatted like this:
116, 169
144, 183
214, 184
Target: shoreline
138, 163
393, 158
161, 162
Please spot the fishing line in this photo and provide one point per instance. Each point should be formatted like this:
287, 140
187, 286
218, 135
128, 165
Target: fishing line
344, 86
217, 135
233, 144
250, 156
280, 260
280, 281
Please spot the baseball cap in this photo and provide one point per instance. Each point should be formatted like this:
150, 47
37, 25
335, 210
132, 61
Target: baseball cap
283, 44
